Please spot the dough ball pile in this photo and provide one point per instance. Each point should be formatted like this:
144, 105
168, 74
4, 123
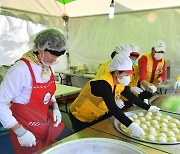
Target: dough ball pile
158, 127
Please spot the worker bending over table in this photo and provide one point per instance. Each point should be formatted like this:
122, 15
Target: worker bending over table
152, 68
29, 85
96, 101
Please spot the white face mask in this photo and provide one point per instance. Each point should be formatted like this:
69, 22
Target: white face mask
124, 81
158, 56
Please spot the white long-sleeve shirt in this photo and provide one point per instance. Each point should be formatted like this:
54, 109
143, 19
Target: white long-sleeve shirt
17, 87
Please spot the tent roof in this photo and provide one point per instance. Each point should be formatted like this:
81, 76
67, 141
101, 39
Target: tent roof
85, 7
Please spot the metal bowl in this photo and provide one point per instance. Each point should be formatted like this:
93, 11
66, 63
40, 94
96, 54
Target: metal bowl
95, 146
117, 125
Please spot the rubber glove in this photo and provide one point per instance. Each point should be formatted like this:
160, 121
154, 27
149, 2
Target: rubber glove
146, 101
148, 86
136, 90
154, 109
177, 84
145, 85
25, 137
56, 115
160, 80
136, 130
153, 89
119, 102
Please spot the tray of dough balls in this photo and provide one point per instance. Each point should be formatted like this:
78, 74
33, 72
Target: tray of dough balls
159, 128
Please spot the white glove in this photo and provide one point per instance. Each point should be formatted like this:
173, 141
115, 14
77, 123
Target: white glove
154, 109
25, 137
136, 90
136, 130
177, 84
152, 88
148, 86
146, 101
120, 103
56, 115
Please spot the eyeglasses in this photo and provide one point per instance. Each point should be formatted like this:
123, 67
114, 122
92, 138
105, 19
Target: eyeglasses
55, 53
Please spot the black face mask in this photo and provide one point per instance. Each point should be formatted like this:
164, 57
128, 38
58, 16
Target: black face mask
56, 53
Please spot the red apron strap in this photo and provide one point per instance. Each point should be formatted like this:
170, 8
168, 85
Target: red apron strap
30, 68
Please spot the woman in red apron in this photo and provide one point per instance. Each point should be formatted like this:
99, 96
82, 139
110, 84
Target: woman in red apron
38, 127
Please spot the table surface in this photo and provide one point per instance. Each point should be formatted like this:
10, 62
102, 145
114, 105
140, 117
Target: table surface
64, 90
89, 75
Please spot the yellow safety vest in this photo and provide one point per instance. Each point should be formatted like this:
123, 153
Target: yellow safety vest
88, 107
102, 69
158, 71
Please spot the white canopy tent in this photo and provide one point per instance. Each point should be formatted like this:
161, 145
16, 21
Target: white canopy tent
92, 36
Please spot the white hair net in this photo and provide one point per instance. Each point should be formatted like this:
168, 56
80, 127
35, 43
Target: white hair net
120, 62
125, 49
51, 39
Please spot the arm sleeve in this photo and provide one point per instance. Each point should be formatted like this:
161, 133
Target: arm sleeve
101, 88
142, 63
134, 99
163, 74
11, 87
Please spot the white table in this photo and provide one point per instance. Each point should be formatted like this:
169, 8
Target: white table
64, 90
70, 74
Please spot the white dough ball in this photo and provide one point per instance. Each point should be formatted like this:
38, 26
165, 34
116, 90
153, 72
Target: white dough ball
164, 120
153, 133
148, 117
170, 134
172, 125
164, 129
154, 122
142, 119
163, 125
162, 135
151, 129
150, 138
134, 116
143, 126
156, 126
168, 117
137, 121
147, 123
176, 121
161, 139
149, 113
175, 130
158, 114
172, 139
140, 114
157, 118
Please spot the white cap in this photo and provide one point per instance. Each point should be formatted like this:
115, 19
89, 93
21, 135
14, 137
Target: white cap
135, 49
125, 49
159, 46
121, 62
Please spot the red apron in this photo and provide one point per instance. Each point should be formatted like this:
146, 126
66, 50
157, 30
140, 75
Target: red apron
35, 115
